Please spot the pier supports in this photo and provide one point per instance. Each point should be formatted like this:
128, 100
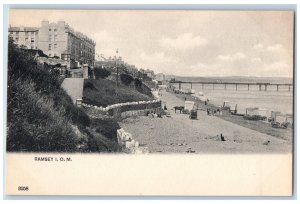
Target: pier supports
262, 86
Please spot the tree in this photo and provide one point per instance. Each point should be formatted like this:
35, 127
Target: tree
126, 79
101, 73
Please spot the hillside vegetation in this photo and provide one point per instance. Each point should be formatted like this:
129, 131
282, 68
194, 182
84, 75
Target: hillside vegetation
41, 117
103, 92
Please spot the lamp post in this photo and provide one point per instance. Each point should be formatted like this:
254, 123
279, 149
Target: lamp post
117, 67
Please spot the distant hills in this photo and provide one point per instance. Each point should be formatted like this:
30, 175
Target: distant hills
233, 79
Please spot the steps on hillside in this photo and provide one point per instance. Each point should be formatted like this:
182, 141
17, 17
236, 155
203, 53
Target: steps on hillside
73, 87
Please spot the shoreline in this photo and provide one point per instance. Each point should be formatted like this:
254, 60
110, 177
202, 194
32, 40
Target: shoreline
177, 133
259, 126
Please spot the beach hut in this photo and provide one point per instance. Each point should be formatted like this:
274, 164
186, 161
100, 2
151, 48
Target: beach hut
189, 105
280, 118
274, 113
200, 93
262, 112
257, 111
251, 111
289, 118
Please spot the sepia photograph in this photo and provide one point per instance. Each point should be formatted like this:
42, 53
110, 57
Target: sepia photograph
149, 82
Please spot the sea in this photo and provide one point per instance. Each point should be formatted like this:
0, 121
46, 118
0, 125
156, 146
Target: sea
271, 100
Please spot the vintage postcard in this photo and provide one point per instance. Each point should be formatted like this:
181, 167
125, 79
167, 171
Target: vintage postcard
150, 102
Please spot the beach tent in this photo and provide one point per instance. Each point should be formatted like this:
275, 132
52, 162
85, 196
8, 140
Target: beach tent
200, 93
289, 118
257, 111
163, 86
274, 113
281, 118
263, 112
251, 111
189, 105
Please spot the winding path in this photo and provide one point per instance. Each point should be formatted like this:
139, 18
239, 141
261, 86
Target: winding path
73, 87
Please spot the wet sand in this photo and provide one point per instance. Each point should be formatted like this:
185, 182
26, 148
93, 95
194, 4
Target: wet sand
178, 133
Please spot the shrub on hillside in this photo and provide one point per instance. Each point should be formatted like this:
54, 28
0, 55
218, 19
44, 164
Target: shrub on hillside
101, 73
126, 79
140, 87
137, 82
40, 114
81, 118
34, 123
88, 85
106, 93
106, 127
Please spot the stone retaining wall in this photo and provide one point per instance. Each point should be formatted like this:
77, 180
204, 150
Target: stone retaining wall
124, 110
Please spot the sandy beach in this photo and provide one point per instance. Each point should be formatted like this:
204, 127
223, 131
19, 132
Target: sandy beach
178, 133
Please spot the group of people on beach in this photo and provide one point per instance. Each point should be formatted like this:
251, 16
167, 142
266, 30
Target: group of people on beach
213, 112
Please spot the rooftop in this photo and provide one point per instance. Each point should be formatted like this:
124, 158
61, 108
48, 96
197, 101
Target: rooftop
22, 29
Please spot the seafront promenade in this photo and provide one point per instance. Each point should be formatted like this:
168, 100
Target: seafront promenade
178, 133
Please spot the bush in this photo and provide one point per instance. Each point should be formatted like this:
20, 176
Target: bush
35, 124
140, 87
101, 73
40, 114
89, 85
108, 128
137, 82
80, 118
126, 79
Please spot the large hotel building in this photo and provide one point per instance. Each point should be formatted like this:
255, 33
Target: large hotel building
57, 39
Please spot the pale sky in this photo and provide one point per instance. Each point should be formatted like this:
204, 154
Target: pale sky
188, 43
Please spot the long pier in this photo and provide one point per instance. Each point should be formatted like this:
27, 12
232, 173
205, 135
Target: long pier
261, 86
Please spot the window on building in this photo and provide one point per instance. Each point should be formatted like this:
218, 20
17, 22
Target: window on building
55, 46
50, 29
17, 39
32, 39
11, 33
49, 54
26, 39
50, 47
26, 33
32, 33
50, 37
55, 37
32, 47
17, 33
55, 30
66, 57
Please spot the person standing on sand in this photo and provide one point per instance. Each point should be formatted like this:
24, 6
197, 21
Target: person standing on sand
222, 138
